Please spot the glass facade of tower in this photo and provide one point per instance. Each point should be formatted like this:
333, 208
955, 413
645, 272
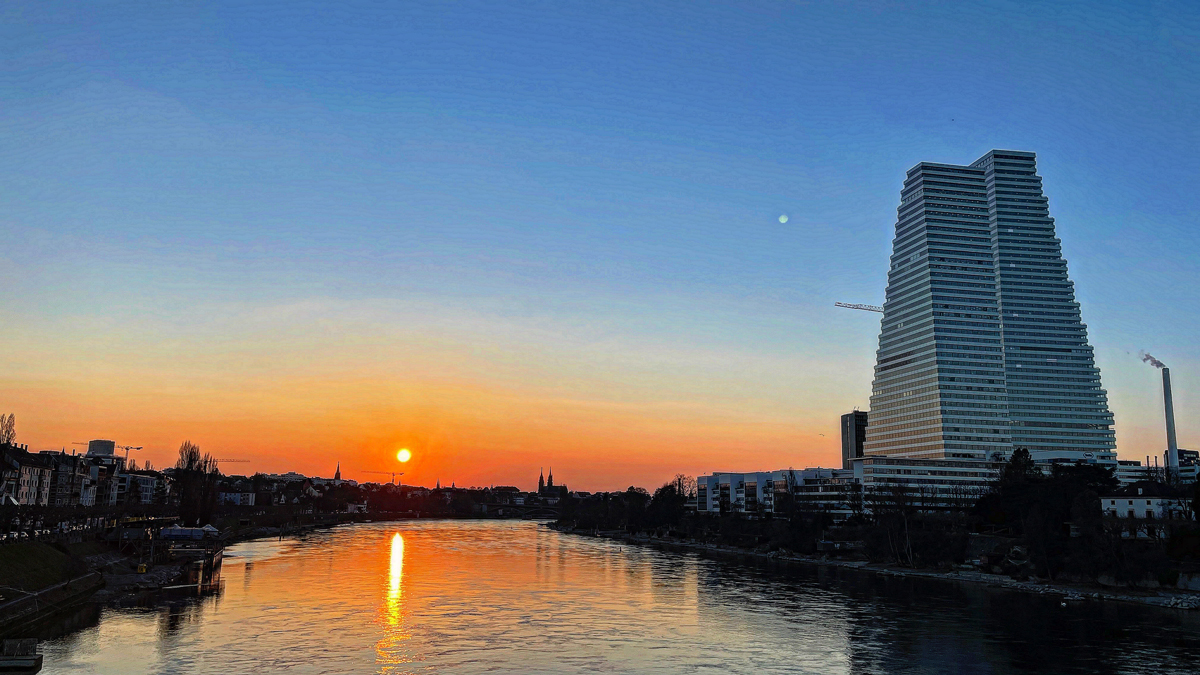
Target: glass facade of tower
982, 348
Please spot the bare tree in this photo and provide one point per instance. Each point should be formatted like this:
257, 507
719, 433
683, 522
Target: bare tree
684, 485
8, 429
851, 495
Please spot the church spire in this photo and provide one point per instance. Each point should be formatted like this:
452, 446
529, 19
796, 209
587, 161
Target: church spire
337, 475
541, 480
550, 478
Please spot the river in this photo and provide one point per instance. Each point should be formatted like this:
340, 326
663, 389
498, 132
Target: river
516, 597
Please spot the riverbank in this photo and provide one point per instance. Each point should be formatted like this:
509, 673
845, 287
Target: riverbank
29, 609
434, 599
1067, 592
125, 585
114, 577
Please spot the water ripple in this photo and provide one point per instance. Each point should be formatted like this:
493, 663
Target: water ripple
506, 597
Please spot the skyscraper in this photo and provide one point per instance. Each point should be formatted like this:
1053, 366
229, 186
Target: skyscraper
854, 428
982, 348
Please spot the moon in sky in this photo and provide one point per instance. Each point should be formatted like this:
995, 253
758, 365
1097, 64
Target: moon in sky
783, 218
404, 455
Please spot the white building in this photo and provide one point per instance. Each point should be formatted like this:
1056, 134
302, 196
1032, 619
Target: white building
1144, 499
936, 478
34, 484
25, 478
739, 492
1131, 471
236, 498
761, 491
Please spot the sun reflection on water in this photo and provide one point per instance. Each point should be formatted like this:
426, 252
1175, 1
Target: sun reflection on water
396, 572
390, 651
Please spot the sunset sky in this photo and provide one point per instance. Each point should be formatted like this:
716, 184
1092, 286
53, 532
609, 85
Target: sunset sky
510, 236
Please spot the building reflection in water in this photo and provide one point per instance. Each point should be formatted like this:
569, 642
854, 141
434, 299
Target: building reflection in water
175, 616
390, 652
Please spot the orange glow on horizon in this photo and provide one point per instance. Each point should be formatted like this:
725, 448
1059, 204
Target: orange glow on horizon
464, 429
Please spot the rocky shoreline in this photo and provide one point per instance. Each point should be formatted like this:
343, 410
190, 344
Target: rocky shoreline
1183, 600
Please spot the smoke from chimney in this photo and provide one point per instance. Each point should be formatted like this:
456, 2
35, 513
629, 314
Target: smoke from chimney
1147, 358
1172, 454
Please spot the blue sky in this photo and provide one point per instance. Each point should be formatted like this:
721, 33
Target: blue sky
568, 201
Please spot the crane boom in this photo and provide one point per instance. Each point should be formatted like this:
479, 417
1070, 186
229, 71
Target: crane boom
855, 305
393, 474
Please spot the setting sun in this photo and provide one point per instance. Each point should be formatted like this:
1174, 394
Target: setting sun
404, 455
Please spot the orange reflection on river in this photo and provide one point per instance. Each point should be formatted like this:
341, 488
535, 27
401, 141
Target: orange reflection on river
390, 653
396, 570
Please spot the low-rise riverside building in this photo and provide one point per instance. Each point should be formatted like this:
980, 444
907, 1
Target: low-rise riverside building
762, 492
728, 492
929, 480
1131, 471
1145, 499
925, 483
236, 498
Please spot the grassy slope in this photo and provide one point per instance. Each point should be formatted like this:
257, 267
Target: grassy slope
30, 566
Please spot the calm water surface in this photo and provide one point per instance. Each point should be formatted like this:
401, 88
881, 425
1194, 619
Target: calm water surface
504, 596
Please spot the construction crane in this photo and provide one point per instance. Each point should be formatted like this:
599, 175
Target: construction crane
126, 448
219, 462
393, 474
855, 305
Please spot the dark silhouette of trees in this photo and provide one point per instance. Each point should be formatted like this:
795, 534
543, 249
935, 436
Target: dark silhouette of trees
1020, 469
668, 505
1196, 500
1057, 515
196, 480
